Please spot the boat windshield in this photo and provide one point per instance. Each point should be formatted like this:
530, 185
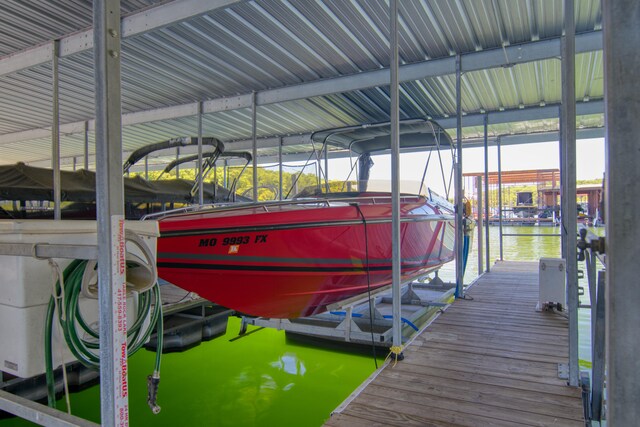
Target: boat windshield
370, 186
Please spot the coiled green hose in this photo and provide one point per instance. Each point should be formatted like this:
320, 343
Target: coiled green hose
87, 350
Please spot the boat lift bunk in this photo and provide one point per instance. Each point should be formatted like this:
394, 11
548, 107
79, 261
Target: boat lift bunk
350, 321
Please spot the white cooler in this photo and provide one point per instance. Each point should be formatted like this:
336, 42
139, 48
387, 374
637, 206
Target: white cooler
26, 286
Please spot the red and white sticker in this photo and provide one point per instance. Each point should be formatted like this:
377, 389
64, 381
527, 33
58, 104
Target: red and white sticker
119, 295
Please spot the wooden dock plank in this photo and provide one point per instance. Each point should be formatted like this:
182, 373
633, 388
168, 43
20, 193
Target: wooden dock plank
442, 374
471, 338
490, 359
398, 413
474, 407
505, 335
528, 354
520, 391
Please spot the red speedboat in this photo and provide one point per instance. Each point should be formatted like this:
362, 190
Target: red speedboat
293, 258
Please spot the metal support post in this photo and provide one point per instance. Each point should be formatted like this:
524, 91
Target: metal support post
395, 180
458, 183
177, 168
280, 168
86, 145
38, 413
225, 183
114, 406
254, 138
598, 349
590, 261
146, 167
568, 188
480, 223
500, 196
622, 110
326, 168
55, 131
200, 179
486, 189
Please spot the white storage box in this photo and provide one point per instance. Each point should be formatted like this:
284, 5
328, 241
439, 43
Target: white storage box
552, 279
26, 286
22, 335
26, 281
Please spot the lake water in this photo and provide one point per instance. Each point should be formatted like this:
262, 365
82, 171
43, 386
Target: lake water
264, 379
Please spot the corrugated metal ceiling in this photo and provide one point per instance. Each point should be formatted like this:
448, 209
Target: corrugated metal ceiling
260, 45
29, 23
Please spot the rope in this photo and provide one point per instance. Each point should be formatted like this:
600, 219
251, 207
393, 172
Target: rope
366, 250
58, 300
86, 350
396, 351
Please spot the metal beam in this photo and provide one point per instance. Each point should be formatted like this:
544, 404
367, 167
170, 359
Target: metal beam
526, 52
498, 143
533, 138
458, 183
622, 94
568, 187
486, 190
549, 111
38, 413
200, 179
528, 138
280, 171
114, 408
517, 115
480, 224
86, 146
55, 131
254, 145
495, 117
394, 115
181, 10
47, 250
138, 23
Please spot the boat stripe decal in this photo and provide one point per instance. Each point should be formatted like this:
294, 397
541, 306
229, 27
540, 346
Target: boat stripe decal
207, 231
193, 266
257, 259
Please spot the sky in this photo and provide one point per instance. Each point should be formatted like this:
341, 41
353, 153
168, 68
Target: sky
589, 162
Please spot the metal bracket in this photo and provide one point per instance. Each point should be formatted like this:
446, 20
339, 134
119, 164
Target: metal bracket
563, 371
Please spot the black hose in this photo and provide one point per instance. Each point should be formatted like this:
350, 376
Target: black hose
366, 251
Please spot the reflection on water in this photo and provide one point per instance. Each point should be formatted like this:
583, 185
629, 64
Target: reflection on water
261, 379
290, 364
256, 390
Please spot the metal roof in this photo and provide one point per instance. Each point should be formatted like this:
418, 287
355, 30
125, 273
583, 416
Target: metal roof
312, 65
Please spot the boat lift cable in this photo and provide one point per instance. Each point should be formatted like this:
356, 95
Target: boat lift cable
295, 181
83, 340
353, 166
366, 252
424, 172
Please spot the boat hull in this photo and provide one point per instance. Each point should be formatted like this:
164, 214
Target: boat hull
289, 260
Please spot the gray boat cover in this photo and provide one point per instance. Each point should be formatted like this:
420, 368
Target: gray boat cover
20, 182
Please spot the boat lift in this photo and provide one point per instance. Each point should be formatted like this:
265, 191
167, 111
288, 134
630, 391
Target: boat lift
367, 319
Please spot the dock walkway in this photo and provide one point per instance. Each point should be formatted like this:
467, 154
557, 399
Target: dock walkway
490, 360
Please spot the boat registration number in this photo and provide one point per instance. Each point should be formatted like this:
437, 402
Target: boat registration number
233, 240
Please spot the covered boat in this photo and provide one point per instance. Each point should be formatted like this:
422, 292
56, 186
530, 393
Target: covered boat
293, 258
28, 187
